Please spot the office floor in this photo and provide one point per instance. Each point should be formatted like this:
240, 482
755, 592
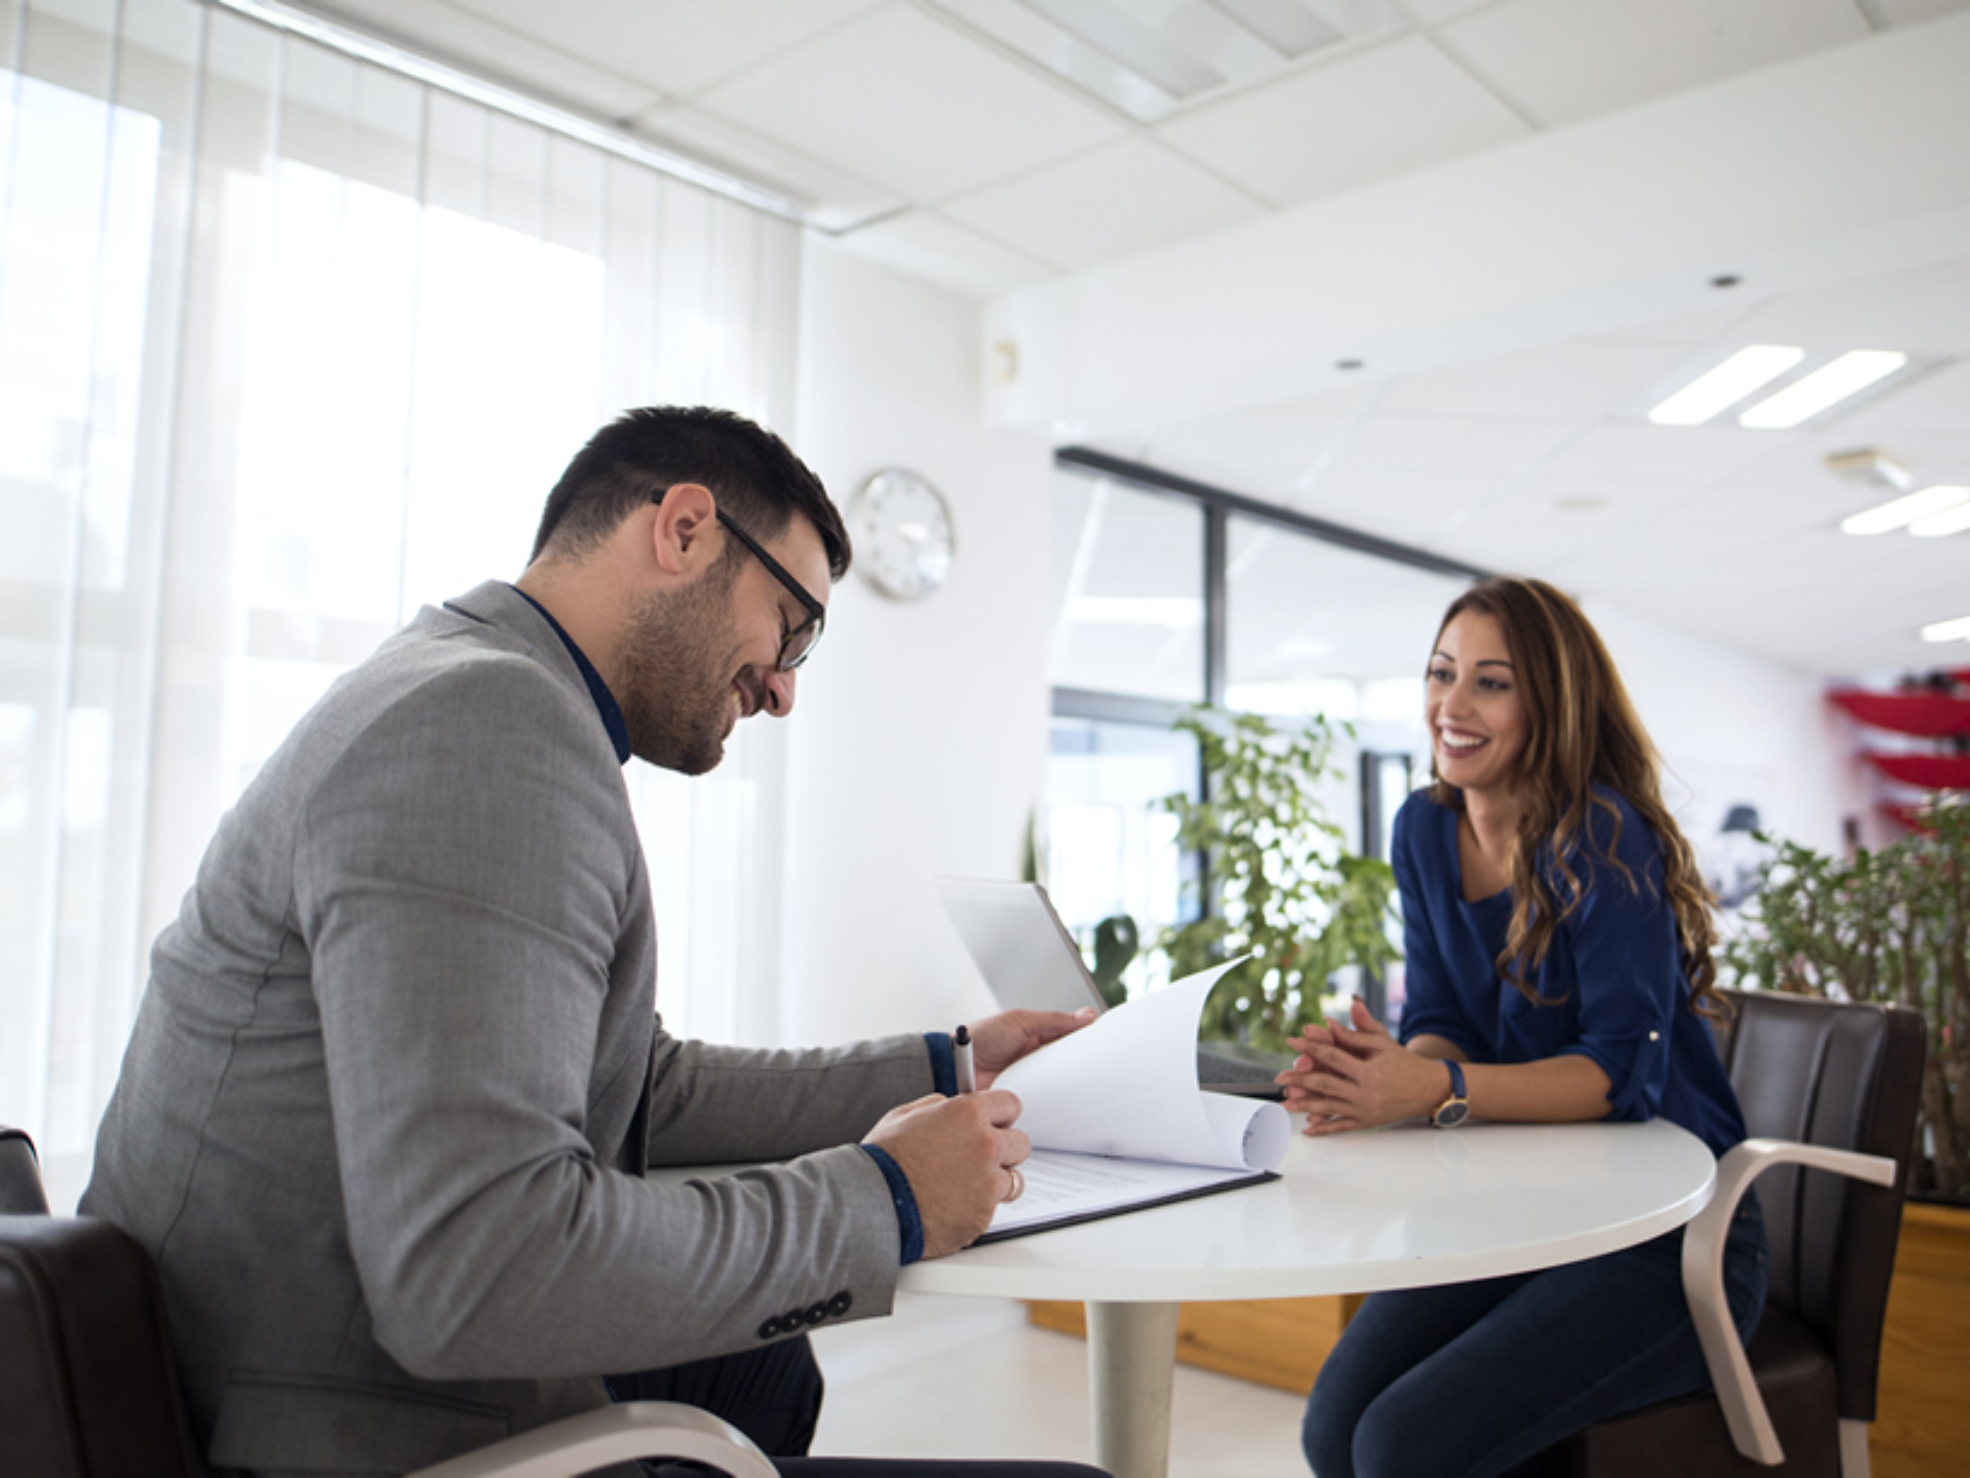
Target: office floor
966, 1377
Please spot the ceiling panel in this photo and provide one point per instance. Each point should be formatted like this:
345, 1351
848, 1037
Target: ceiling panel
1456, 446
1937, 405
835, 199
677, 45
1923, 312
500, 53
1104, 205
1624, 451
898, 98
1914, 12
1559, 380
1425, 511
1384, 111
1265, 452
945, 253
1565, 60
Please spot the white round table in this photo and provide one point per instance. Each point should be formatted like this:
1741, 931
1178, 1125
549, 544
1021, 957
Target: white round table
1401, 1207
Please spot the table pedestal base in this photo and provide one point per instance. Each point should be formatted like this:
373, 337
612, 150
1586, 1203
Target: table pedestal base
1131, 1367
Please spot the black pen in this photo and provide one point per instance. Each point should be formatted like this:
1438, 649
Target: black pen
961, 1054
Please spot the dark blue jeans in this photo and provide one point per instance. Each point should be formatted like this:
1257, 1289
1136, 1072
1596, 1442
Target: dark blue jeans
1464, 1381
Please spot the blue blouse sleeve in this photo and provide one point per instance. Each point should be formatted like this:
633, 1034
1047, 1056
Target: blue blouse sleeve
1628, 969
1430, 1003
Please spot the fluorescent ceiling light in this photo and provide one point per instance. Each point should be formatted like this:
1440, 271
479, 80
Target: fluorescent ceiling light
1128, 41
1287, 26
1901, 512
1830, 383
1957, 630
1949, 521
1175, 612
1726, 385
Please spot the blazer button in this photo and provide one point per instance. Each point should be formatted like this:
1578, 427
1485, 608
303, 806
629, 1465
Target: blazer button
769, 1329
840, 1303
816, 1313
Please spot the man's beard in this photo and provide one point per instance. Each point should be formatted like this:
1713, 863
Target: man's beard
675, 692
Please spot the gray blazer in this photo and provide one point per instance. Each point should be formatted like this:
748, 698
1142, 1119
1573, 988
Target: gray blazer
385, 1112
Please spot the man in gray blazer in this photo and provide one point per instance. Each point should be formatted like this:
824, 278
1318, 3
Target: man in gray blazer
385, 1114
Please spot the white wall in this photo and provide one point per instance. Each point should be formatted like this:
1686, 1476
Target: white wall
1731, 725
918, 743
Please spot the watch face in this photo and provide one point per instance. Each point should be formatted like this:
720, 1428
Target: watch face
902, 533
1451, 1114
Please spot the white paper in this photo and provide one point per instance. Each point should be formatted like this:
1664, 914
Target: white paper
1124, 1088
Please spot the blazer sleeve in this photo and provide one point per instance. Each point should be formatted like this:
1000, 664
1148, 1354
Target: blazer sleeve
462, 872
711, 1104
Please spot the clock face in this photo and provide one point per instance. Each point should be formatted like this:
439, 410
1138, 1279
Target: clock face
902, 533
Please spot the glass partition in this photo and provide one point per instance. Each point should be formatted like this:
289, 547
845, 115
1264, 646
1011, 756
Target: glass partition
1128, 591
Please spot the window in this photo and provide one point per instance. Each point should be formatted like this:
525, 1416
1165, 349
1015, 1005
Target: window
1168, 593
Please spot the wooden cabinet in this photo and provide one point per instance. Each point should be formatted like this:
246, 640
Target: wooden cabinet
1275, 1342
1922, 1422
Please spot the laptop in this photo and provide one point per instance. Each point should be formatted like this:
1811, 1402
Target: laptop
1031, 962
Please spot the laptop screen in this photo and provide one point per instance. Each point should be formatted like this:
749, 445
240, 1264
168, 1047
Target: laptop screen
1019, 945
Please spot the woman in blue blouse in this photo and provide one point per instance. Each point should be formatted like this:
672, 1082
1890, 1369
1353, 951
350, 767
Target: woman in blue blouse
1557, 939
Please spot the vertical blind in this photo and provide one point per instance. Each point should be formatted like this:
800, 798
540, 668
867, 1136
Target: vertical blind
290, 345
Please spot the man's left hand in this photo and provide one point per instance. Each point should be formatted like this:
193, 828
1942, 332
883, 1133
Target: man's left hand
999, 1041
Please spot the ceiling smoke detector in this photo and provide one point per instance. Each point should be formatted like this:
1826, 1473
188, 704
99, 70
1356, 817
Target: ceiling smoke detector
1871, 469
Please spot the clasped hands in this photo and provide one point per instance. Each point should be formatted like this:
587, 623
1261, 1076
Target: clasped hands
1357, 1076
961, 1155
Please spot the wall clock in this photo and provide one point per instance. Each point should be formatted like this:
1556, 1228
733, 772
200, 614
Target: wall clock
901, 528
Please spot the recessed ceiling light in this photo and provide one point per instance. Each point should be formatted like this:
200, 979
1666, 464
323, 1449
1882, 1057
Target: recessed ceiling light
1949, 521
1829, 384
1726, 385
1957, 630
1901, 512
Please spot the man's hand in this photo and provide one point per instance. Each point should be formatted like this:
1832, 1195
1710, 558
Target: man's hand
957, 1154
1357, 1076
1000, 1041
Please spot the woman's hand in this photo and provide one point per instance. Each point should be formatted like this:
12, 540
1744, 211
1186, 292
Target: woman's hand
1357, 1076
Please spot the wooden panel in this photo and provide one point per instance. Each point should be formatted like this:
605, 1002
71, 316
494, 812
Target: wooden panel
1922, 1425
1274, 1342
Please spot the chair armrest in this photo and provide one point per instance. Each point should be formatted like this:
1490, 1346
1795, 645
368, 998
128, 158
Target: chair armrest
1703, 1278
613, 1434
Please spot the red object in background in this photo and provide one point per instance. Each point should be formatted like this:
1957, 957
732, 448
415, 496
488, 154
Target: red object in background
1930, 771
1930, 714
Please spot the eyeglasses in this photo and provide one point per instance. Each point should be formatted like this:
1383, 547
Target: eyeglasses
797, 645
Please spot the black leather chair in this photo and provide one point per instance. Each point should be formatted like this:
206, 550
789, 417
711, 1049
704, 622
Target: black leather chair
1825, 1084
87, 1388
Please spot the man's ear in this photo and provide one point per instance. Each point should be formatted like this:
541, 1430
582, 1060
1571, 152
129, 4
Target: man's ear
680, 533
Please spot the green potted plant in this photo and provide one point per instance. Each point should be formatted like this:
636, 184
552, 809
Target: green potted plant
1887, 925
1894, 925
1282, 882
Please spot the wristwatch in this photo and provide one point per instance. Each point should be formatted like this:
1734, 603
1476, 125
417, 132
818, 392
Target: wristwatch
1456, 1108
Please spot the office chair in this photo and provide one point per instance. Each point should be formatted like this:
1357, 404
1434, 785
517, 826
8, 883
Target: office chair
1827, 1085
88, 1390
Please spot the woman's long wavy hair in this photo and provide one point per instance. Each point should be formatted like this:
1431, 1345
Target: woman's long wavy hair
1581, 731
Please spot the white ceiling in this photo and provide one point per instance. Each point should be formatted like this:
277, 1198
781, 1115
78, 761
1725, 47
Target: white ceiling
935, 136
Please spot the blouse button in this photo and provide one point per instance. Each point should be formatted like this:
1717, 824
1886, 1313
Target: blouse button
1655, 1036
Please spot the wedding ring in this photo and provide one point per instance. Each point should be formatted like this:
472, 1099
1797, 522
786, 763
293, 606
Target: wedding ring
1018, 1183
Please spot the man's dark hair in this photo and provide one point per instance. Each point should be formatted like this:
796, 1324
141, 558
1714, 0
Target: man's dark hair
758, 481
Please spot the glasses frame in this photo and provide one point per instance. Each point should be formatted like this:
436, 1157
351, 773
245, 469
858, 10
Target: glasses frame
817, 614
